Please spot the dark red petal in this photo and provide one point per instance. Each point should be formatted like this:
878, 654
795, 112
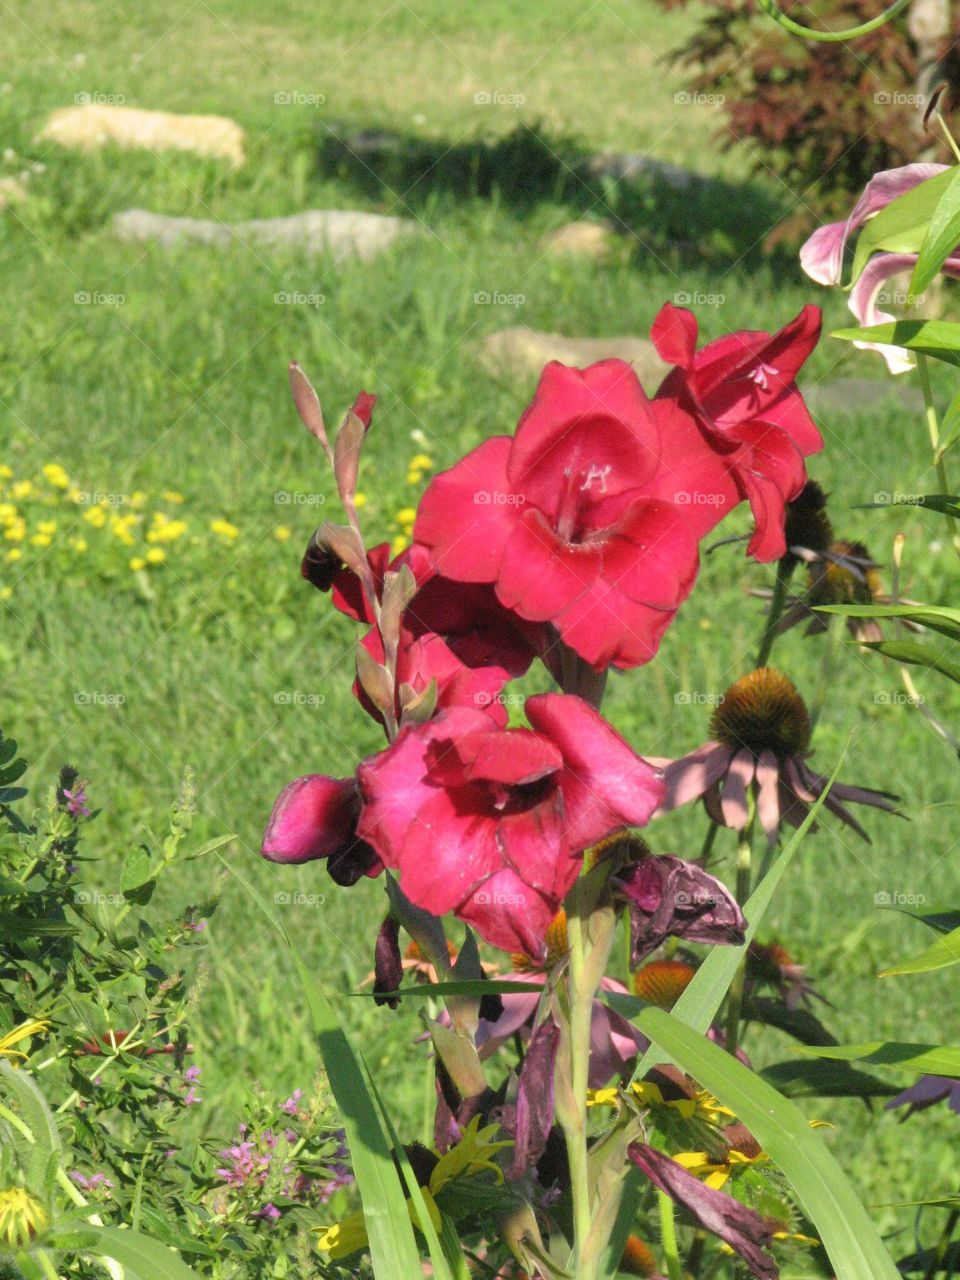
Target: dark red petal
314, 817
674, 334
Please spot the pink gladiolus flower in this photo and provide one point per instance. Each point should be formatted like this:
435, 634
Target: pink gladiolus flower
491, 823
558, 520
741, 390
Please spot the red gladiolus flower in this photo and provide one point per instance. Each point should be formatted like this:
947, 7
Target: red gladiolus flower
490, 823
559, 520
742, 391
316, 817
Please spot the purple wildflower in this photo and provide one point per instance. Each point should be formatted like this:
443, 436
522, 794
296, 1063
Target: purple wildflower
290, 1106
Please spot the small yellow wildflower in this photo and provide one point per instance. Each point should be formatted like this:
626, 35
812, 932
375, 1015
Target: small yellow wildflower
414, 477
22, 1218
8, 512
406, 515
360, 499
156, 555
715, 1173
5, 471
137, 498
171, 495
6, 593
76, 495
398, 544
22, 489
56, 475
78, 544
421, 462
41, 540
13, 555
16, 531
138, 563
96, 516
281, 533
47, 526
224, 528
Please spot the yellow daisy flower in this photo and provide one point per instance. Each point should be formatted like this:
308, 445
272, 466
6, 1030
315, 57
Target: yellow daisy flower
55, 475
25, 1030
22, 1218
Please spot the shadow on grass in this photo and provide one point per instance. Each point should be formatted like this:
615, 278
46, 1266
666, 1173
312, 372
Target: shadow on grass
655, 201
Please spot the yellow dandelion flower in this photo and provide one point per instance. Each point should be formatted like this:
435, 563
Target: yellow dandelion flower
16, 531
224, 528
78, 544
156, 555
22, 489
96, 516
360, 499
406, 515
8, 512
398, 544
137, 498
5, 471
13, 555
55, 475
167, 531
137, 563
281, 533
414, 477
22, 1218
421, 462
41, 540
47, 526
171, 495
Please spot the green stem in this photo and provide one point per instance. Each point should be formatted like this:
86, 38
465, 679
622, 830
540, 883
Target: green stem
933, 429
668, 1236
939, 1251
709, 838
744, 877
575, 1128
46, 1265
784, 570
771, 8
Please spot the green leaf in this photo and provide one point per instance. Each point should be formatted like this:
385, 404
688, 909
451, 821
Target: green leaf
941, 919
939, 339
920, 1059
393, 1247
944, 952
917, 655
902, 226
936, 617
949, 428
136, 871
943, 235
823, 1079
698, 1005
421, 990
146, 1258
849, 1235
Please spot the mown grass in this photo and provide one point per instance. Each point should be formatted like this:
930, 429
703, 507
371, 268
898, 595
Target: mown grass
183, 386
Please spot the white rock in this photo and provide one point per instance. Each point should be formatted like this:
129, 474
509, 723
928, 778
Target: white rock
95, 124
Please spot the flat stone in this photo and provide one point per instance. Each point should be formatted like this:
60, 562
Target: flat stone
852, 395
519, 352
632, 165
92, 125
580, 240
340, 232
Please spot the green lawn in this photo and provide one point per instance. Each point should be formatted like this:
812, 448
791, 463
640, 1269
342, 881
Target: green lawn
183, 387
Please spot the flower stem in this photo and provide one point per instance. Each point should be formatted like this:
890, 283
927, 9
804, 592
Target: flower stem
784, 570
575, 1124
668, 1236
735, 997
933, 429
